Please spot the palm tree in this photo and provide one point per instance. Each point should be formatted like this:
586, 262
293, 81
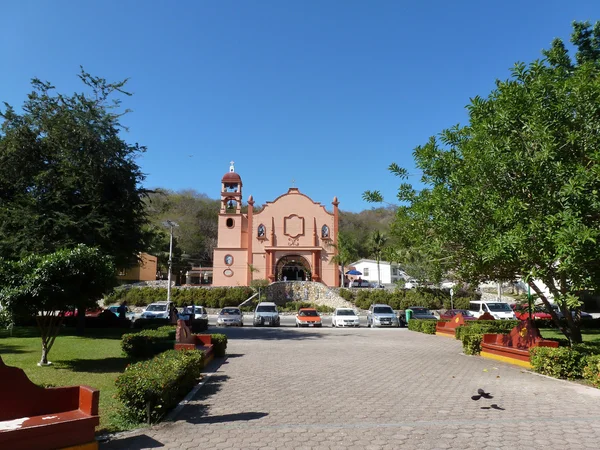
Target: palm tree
378, 242
345, 252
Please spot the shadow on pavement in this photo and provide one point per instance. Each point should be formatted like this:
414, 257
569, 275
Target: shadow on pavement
133, 442
225, 418
277, 333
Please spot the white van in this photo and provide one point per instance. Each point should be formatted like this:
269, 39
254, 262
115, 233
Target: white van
499, 310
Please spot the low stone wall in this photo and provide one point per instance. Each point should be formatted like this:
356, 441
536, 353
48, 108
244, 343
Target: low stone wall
281, 292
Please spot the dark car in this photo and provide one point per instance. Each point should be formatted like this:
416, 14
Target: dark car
451, 313
420, 312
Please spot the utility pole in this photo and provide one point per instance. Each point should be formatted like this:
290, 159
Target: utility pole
170, 224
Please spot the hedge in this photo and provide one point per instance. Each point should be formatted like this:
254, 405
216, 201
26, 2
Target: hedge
426, 326
148, 389
471, 334
561, 362
217, 297
147, 343
485, 326
405, 298
591, 371
219, 342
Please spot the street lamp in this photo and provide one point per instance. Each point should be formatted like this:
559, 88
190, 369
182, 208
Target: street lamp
170, 224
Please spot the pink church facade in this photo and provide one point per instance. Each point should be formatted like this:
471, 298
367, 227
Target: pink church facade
291, 238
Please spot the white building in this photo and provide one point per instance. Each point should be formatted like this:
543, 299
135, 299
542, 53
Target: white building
389, 272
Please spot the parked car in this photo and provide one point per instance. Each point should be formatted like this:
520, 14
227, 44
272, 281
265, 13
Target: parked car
345, 317
499, 310
539, 312
159, 310
584, 315
308, 317
420, 312
377, 286
451, 313
382, 316
360, 284
129, 314
411, 283
90, 312
266, 314
200, 316
230, 317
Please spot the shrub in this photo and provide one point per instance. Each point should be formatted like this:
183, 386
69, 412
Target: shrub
485, 327
148, 389
591, 370
148, 342
472, 343
211, 298
422, 325
561, 362
219, 342
295, 306
150, 323
347, 295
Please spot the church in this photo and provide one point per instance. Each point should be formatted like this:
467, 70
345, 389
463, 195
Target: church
292, 238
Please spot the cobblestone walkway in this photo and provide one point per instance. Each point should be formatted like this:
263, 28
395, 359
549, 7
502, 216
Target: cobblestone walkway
372, 389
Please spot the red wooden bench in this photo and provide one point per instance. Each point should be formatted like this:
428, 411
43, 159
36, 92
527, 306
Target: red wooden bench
447, 328
33, 417
185, 340
514, 347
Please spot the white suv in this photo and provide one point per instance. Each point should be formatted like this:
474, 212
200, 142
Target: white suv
499, 310
382, 316
266, 314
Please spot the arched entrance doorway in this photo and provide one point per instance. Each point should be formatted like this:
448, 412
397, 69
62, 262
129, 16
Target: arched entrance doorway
293, 268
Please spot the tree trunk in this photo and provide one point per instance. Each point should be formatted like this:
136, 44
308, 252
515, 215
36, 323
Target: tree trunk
571, 331
80, 330
44, 360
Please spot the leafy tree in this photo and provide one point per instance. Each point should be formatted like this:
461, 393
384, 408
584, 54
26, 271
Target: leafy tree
516, 192
195, 238
45, 287
66, 175
378, 242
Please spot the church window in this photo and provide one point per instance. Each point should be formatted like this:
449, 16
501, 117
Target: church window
230, 223
325, 232
261, 231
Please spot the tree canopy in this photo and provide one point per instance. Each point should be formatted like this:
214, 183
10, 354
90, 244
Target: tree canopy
50, 285
516, 192
66, 175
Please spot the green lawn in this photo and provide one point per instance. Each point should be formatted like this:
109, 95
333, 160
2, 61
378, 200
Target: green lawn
95, 360
588, 335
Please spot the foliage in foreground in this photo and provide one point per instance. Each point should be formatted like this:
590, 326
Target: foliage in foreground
147, 343
53, 284
424, 326
66, 175
148, 389
516, 192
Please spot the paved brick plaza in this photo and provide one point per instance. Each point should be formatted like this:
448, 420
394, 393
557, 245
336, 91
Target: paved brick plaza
372, 389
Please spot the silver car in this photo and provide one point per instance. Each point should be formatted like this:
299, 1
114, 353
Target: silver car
230, 317
382, 316
266, 314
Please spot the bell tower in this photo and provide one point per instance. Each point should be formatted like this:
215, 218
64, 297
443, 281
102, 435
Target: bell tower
230, 256
231, 192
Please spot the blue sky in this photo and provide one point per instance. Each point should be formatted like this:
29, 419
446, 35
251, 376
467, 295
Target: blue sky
327, 93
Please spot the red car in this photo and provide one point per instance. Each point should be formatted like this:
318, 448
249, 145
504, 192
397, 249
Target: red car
451, 313
522, 312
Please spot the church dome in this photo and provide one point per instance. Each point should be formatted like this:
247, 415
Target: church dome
231, 177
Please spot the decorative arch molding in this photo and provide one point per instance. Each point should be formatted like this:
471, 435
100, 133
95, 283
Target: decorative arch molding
297, 264
293, 226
